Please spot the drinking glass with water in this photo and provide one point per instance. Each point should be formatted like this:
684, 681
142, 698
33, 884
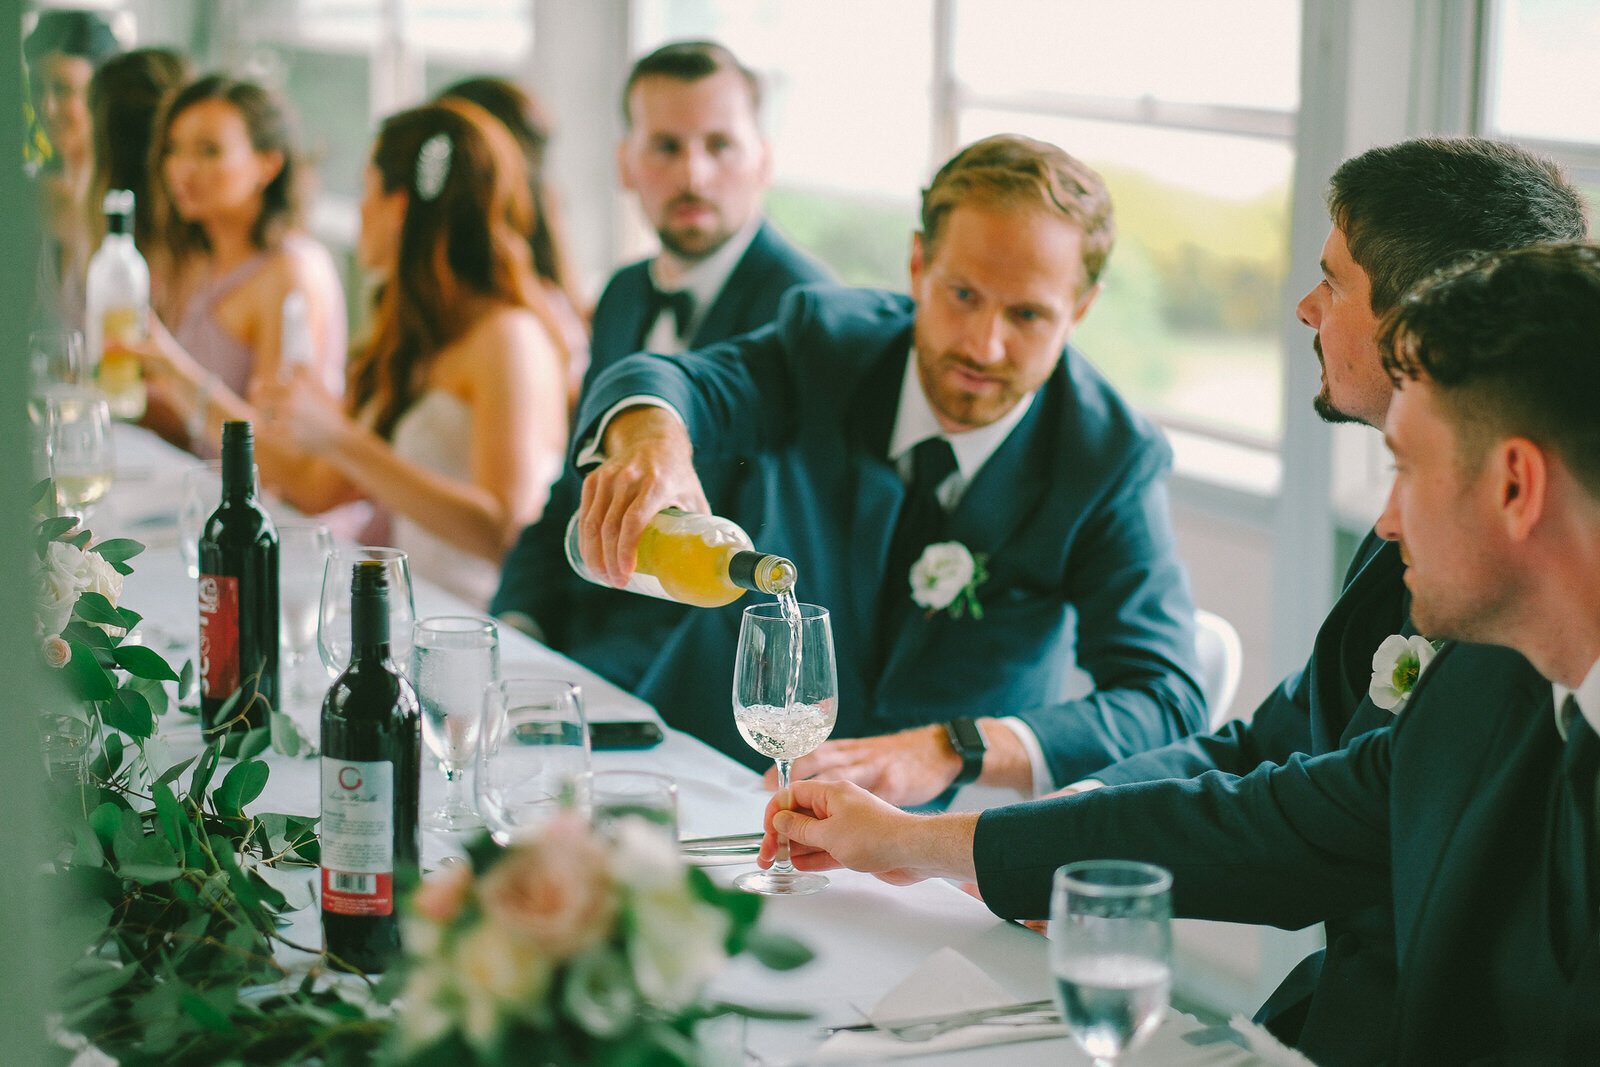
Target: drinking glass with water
1111, 952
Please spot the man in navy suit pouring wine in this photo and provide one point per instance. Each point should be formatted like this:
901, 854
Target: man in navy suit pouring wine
955, 483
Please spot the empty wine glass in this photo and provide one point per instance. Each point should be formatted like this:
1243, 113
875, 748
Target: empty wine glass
303, 549
454, 658
533, 754
333, 617
785, 701
55, 358
1111, 952
77, 448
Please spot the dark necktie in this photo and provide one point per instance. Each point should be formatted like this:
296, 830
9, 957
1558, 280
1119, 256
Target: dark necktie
1580, 762
678, 301
921, 522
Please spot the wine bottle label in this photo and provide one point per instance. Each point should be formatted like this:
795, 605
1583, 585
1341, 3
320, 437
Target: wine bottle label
357, 836
219, 635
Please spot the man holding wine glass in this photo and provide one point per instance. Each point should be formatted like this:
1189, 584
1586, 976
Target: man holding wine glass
953, 424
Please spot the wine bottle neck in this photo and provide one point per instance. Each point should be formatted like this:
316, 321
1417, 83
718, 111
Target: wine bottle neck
762, 572
238, 462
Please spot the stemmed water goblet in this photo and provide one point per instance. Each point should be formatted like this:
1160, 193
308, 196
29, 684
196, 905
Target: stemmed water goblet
333, 616
454, 659
303, 549
785, 701
1111, 953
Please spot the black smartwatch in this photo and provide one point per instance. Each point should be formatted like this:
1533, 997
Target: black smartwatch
967, 740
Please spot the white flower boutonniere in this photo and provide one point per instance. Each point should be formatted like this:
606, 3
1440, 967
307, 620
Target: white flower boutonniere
1396, 666
946, 578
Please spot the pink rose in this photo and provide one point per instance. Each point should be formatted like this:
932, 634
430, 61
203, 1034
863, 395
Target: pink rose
56, 651
440, 898
554, 891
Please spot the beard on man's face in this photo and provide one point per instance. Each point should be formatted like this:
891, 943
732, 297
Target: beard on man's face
1323, 403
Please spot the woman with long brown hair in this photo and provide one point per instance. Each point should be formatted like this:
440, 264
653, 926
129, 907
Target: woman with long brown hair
454, 415
561, 308
228, 252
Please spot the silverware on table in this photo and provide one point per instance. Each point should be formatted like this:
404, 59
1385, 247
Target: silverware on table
928, 1027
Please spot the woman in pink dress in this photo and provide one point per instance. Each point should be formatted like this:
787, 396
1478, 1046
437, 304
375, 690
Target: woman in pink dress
229, 252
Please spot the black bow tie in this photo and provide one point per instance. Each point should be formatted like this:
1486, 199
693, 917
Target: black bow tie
678, 301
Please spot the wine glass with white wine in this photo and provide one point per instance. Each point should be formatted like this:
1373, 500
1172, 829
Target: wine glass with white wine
1111, 953
78, 448
785, 701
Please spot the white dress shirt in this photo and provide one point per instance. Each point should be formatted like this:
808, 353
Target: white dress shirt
1588, 694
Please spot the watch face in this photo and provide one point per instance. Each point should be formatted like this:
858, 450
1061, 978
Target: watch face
965, 736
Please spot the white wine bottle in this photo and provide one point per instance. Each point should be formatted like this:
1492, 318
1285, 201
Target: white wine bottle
117, 309
694, 559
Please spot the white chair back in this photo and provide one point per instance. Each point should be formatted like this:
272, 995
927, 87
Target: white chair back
1221, 660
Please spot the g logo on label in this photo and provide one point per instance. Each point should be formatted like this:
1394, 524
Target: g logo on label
345, 776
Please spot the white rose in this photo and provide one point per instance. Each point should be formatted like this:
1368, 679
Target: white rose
63, 574
645, 858
497, 976
942, 572
425, 1020
103, 578
676, 948
1396, 666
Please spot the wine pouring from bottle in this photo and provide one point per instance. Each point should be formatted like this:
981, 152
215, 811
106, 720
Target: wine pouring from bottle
696, 559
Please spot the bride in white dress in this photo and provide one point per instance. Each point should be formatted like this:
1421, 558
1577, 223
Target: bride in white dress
454, 417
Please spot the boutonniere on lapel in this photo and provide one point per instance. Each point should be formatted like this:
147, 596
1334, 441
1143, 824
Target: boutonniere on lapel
1396, 666
946, 578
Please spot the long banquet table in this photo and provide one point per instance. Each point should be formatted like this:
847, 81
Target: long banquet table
867, 936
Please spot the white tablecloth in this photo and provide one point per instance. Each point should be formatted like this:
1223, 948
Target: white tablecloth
868, 936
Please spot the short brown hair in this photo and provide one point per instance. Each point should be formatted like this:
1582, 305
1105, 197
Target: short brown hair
689, 61
1009, 170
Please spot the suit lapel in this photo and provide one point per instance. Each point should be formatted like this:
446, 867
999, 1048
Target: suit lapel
877, 492
720, 318
1364, 615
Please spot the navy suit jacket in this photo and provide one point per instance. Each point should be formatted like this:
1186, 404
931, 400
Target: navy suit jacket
617, 634
1334, 1006
1071, 511
1445, 814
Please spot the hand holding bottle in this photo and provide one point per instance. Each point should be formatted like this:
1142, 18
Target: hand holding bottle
648, 467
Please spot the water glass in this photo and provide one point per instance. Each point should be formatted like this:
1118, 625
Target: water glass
1111, 952
202, 494
303, 549
533, 753
642, 796
454, 659
333, 615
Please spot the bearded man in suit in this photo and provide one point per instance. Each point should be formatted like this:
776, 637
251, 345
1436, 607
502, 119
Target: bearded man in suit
695, 159
1474, 817
958, 417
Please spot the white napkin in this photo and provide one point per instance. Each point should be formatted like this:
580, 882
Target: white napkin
1266, 1047
944, 982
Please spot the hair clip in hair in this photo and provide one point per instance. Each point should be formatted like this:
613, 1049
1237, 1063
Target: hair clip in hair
433, 165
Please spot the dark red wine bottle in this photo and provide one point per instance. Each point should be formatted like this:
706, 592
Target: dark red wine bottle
371, 775
238, 596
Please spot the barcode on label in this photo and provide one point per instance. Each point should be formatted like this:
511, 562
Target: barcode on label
363, 884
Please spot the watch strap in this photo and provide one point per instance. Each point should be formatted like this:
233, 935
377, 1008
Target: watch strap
968, 741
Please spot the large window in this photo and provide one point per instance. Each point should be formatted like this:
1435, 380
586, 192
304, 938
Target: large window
1542, 85
1194, 142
